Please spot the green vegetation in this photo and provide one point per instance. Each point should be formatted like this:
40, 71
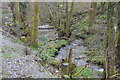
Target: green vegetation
96, 56
86, 73
98, 59
103, 16
48, 50
90, 39
80, 29
9, 48
5, 11
8, 55
99, 73
5, 74
44, 38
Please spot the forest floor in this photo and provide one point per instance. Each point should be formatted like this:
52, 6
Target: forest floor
15, 62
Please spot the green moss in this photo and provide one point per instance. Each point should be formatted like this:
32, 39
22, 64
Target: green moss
48, 50
90, 39
7, 55
99, 73
104, 16
5, 74
9, 48
98, 59
44, 38
86, 73
80, 28
96, 56
5, 11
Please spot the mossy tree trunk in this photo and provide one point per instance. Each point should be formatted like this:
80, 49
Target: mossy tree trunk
34, 36
16, 11
69, 19
59, 16
110, 50
24, 18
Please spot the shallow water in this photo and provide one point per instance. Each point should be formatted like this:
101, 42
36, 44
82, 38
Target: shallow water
78, 55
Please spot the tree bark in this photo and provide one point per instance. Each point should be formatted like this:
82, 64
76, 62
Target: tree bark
110, 50
118, 42
69, 19
92, 14
16, 11
35, 25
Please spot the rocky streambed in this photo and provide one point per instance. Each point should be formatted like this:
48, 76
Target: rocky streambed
79, 58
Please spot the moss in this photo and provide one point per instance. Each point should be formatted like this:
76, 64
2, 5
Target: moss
80, 29
44, 38
90, 39
49, 50
99, 73
7, 55
86, 73
96, 56
98, 59
8, 48
104, 16
5, 11
5, 74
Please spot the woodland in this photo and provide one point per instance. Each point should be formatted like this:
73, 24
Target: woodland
60, 40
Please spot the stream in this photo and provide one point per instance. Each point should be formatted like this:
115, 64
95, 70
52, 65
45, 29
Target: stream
79, 58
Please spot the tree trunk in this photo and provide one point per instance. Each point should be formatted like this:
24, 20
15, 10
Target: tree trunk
24, 21
35, 25
110, 56
102, 7
118, 43
92, 14
16, 11
69, 19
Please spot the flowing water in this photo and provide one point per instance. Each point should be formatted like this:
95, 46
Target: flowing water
78, 53
78, 56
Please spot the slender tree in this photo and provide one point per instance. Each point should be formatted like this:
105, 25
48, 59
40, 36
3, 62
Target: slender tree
34, 36
102, 7
110, 50
118, 42
92, 15
69, 19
